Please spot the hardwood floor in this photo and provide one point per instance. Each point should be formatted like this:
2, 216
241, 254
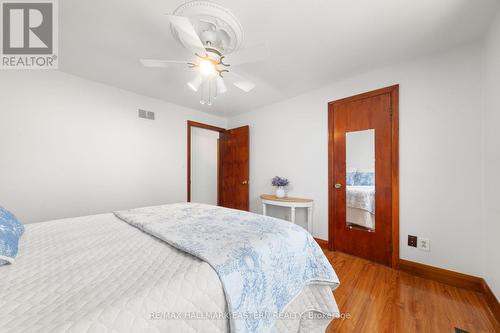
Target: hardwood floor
381, 299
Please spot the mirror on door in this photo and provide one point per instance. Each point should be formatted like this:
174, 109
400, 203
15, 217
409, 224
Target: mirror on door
360, 180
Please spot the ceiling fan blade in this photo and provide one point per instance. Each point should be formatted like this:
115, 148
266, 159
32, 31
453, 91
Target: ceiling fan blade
161, 63
187, 33
248, 55
240, 82
195, 83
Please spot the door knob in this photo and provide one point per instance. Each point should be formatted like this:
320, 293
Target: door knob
244, 182
338, 185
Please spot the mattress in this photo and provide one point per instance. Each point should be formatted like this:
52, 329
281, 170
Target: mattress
98, 274
361, 197
360, 217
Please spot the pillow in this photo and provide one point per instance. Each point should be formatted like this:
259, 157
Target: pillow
364, 179
11, 231
350, 178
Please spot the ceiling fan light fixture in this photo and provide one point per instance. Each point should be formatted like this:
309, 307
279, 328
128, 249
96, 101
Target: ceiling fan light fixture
196, 83
207, 68
210, 32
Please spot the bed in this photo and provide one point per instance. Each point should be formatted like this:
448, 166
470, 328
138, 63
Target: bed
100, 274
360, 202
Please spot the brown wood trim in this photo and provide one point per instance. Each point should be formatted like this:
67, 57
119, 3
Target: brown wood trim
372, 93
394, 91
455, 279
190, 124
395, 174
219, 174
188, 162
322, 243
205, 126
442, 275
491, 300
331, 158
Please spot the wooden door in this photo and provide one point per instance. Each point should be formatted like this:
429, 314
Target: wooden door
371, 112
234, 170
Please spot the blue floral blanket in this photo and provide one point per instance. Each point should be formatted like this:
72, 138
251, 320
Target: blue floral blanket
262, 262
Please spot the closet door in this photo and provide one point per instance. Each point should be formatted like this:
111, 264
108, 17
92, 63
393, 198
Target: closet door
234, 154
361, 163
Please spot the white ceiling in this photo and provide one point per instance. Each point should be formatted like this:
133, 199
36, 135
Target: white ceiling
311, 42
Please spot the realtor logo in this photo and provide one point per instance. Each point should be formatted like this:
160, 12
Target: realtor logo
29, 34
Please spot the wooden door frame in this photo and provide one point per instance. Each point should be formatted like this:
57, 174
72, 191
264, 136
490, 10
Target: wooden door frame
191, 124
394, 92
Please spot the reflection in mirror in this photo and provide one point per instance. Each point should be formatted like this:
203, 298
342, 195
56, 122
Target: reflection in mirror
360, 180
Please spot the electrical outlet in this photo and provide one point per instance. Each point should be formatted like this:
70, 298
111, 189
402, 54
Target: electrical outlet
412, 241
424, 244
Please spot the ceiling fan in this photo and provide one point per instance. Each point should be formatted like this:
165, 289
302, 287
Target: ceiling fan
210, 32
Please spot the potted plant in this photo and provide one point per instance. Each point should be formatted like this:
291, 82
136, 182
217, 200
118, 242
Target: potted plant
280, 184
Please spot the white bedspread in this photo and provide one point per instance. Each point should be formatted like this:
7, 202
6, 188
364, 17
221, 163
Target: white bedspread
98, 274
361, 197
263, 262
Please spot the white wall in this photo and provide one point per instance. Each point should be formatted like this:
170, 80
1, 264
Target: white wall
73, 147
360, 150
492, 158
204, 170
440, 162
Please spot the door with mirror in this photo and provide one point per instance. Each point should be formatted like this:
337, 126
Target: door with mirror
361, 175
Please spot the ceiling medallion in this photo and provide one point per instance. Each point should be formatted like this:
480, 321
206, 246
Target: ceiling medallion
214, 24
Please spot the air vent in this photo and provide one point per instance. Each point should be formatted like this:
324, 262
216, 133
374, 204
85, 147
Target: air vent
146, 114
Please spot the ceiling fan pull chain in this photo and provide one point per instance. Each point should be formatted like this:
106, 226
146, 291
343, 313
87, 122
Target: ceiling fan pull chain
216, 91
202, 92
209, 92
